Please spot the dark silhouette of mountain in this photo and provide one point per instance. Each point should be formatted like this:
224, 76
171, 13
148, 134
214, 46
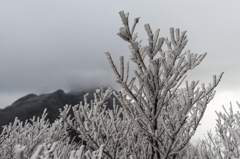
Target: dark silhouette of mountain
34, 105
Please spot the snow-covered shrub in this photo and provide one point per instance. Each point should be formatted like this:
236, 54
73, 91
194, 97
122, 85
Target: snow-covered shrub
31, 134
98, 126
226, 142
51, 151
166, 115
158, 115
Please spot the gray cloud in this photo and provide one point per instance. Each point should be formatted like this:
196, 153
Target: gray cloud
49, 45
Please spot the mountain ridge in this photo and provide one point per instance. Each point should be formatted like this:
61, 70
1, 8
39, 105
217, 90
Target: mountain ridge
33, 105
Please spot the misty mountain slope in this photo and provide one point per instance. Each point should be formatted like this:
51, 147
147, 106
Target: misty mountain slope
31, 104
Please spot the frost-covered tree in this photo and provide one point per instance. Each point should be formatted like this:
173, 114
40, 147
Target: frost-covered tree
38, 139
51, 151
226, 142
160, 114
98, 126
165, 114
32, 133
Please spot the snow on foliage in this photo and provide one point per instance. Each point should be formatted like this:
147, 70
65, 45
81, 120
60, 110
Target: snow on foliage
28, 136
226, 142
158, 116
165, 116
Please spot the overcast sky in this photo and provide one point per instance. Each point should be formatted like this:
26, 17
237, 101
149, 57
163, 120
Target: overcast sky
48, 45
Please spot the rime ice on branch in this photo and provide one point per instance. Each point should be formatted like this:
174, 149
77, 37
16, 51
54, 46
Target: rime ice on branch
98, 126
166, 115
226, 142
